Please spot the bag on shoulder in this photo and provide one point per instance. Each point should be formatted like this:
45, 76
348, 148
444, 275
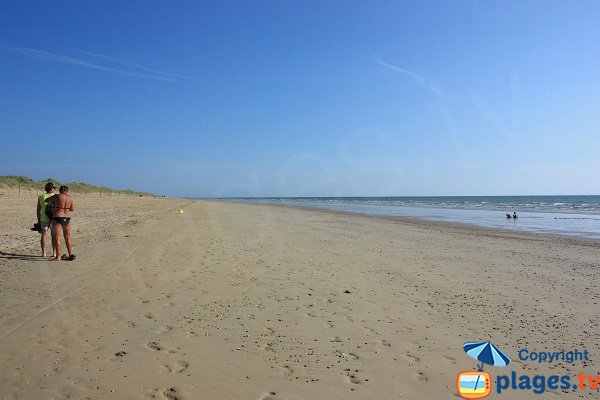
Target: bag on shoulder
49, 210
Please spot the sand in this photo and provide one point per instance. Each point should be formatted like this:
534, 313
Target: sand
239, 301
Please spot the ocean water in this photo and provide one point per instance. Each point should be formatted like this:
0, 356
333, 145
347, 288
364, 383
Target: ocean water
562, 215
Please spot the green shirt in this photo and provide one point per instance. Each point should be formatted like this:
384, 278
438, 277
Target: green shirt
42, 202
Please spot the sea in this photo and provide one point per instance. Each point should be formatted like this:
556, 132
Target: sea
558, 215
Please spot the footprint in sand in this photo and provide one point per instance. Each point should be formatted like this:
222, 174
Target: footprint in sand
352, 378
420, 376
176, 367
267, 332
153, 346
130, 324
171, 394
370, 330
268, 347
149, 315
286, 371
385, 343
164, 328
449, 359
268, 396
120, 354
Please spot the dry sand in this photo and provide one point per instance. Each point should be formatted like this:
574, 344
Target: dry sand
238, 301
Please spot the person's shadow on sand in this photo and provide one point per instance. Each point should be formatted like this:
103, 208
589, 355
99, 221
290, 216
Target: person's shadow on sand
24, 257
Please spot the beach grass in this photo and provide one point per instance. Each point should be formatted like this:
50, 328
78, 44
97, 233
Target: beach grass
24, 182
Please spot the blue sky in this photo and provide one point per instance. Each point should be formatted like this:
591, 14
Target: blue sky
304, 98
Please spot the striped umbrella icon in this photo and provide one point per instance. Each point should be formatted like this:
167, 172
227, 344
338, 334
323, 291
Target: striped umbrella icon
487, 353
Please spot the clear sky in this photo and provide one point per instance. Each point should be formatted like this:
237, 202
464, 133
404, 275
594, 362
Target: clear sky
303, 98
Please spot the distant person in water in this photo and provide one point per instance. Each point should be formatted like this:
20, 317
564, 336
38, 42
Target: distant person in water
42, 218
61, 218
515, 215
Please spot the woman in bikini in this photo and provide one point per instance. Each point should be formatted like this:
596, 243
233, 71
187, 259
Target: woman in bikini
61, 218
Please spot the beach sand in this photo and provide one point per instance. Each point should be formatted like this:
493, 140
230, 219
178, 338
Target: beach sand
240, 301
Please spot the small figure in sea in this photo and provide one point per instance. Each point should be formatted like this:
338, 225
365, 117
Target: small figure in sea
508, 216
515, 215
61, 217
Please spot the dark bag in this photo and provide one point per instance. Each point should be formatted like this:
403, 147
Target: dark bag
49, 210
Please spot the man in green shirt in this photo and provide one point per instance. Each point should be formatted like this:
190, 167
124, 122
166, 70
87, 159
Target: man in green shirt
43, 220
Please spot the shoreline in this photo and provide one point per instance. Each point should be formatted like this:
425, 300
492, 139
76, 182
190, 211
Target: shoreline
235, 300
432, 223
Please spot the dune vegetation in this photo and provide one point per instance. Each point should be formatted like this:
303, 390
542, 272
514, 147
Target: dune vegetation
24, 182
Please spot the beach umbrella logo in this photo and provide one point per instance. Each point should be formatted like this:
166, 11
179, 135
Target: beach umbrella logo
477, 384
487, 353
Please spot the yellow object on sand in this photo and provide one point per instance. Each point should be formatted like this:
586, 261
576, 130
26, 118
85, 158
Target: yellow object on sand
180, 211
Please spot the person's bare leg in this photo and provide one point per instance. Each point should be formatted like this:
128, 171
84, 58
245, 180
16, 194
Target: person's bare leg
56, 228
43, 241
54, 253
67, 234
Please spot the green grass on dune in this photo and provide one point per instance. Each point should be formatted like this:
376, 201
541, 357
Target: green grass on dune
27, 183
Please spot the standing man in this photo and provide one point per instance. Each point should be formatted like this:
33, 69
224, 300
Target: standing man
63, 208
42, 218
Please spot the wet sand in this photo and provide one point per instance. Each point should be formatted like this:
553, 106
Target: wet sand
240, 301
